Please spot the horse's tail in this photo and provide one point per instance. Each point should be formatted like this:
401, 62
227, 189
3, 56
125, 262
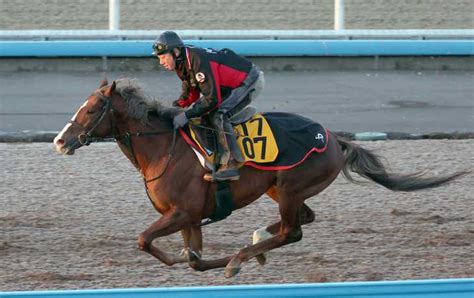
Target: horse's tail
369, 165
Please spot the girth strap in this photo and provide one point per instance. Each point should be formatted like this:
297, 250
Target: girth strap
224, 203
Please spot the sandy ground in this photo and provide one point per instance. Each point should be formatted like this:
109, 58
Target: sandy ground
72, 222
237, 14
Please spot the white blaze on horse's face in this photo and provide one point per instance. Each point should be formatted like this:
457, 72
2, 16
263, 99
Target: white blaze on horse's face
65, 134
79, 110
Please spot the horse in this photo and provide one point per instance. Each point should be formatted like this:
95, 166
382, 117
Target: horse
173, 176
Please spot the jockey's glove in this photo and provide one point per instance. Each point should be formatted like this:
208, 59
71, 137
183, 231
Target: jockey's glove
179, 103
180, 120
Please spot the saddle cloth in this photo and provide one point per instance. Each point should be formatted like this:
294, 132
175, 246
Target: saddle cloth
269, 141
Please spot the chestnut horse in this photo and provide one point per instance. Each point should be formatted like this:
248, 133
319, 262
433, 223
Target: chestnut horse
174, 181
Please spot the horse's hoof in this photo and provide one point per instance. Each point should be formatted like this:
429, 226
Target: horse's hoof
231, 271
261, 259
193, 256
189, 255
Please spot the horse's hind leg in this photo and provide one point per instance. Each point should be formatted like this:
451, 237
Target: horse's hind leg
292, 188
289, 232
312, 183
306, 216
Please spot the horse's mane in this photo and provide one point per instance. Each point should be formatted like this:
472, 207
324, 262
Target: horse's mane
141, 106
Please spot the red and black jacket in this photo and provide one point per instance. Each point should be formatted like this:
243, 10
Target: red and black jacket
213, 73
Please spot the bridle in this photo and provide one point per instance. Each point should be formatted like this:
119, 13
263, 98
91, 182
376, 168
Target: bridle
85, 138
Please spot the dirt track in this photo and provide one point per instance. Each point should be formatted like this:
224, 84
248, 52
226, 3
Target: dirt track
68, 222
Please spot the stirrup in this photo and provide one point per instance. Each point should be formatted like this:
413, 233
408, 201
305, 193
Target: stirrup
231, 175
228, 174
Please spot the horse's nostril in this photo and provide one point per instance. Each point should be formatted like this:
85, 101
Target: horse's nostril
60, 142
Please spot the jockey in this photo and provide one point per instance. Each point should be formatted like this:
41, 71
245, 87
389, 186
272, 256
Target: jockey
225, 80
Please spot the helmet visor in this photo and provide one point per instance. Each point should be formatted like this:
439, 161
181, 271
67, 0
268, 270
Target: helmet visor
159, 48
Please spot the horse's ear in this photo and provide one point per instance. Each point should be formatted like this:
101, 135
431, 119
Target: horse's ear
103, 82
110, 90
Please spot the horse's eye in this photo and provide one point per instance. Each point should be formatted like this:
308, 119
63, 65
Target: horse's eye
90, 112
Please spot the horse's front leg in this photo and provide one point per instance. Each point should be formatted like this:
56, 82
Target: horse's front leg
192, 237
192, 246
169, 223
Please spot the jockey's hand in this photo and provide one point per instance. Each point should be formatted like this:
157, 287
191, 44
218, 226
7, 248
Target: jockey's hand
180, 120
179, 103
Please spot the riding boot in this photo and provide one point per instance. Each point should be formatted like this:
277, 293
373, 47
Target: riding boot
227, 170
236, 154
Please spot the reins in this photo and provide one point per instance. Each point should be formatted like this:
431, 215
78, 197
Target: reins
127, 142
127, 137
86, 138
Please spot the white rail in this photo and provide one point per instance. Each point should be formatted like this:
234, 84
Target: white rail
114, 15
236, 34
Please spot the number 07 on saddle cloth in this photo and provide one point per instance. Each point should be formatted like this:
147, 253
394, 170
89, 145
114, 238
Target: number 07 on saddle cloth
269, 141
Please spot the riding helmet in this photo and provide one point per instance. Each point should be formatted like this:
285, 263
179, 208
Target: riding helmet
166, 42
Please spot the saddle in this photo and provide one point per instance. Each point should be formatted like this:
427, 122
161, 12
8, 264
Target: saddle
268, 141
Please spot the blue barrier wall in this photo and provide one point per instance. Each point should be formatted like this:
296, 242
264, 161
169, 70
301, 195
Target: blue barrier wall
280, 48
452, 288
